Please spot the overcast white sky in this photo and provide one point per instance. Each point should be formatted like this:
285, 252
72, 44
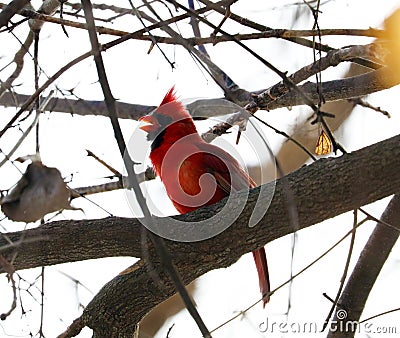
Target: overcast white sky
140, 78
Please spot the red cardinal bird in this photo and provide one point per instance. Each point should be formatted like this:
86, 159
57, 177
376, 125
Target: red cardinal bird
195, 173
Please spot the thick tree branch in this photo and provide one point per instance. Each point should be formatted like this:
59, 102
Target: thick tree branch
319, 191
332, 59
10, 10
347, 88
322, 190
80, 107
367, 269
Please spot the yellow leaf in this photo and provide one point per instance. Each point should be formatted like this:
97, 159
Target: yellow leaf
324, 144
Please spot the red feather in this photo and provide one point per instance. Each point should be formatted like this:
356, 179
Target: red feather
184, 162
169, 97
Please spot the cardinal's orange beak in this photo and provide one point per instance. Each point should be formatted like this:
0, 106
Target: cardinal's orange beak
151, 123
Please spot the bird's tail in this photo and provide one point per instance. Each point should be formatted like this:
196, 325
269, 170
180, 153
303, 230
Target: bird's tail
263, 276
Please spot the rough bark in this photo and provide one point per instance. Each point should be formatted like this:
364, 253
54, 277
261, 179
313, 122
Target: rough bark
10, 10
347, 88
341, 89
322, 190
288, 156
366, 272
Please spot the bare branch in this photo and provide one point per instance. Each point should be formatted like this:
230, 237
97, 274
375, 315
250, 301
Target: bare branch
332, 59
362, 103
9, 268
74, 329
298, 40
162, 251
367, 269
48, 7
283, 34
19, 63
80, 107
345, 271
351, 87
316, 192
340, 186
40, 16
334, 90
122, 183
230, 88
347, 88
108, 166
10, 10
197, 40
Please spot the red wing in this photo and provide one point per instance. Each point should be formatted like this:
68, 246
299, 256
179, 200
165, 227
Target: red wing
226, 170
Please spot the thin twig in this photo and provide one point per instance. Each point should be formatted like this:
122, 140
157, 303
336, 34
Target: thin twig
236, 119
42, 107
359, 101
230, 88
41, 334
76, 61
19, 63
138, 15
269, 65
288, 281
298, 40
33, 97
129, 165
169, 330
197, 40
8, 267
74, 329
345, 270
109, 167
367, 269
196, 29
75, 281
379, 315
122, 183
62, 2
